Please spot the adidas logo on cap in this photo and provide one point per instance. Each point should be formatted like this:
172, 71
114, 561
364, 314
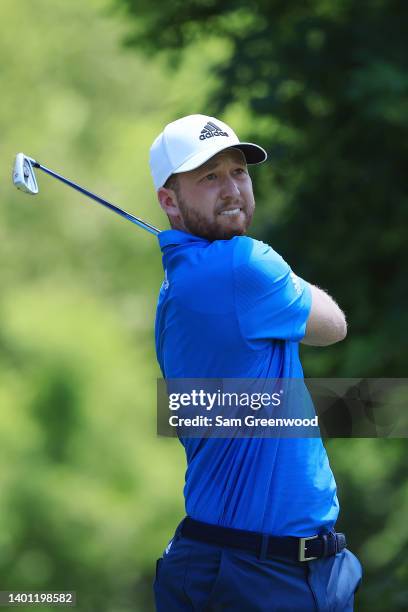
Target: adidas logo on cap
210, 130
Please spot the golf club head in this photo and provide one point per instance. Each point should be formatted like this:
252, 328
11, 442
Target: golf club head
23, 174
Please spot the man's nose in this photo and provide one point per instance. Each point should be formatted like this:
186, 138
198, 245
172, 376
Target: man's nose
229, 188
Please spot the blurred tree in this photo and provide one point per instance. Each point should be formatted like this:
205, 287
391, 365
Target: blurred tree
89, 493
324, 87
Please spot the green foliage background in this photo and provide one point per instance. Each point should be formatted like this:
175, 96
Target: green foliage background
89, 494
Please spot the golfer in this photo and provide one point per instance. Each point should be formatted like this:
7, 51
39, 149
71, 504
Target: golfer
259, 532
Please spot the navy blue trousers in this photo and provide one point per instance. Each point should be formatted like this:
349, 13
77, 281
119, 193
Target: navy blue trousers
192, 576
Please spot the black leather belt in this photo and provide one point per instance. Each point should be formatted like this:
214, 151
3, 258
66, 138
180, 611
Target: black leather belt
263, 545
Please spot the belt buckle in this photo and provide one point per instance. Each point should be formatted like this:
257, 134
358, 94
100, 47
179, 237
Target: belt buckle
302, 548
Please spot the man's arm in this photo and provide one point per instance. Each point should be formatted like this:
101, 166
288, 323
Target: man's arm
326, 323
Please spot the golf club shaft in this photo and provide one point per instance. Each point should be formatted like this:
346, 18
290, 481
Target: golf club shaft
147, 226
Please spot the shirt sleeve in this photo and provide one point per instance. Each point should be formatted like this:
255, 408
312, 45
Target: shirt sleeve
271, 301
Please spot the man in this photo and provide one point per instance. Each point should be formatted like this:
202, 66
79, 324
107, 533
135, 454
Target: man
260, 512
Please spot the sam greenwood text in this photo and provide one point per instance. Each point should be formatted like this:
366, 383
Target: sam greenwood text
248, 421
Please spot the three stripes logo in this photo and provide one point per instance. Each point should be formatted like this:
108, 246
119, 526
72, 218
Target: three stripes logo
210, 130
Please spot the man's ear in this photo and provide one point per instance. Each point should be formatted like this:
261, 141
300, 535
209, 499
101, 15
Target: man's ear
168, 201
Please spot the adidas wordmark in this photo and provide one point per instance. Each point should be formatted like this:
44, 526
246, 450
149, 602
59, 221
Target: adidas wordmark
210, 130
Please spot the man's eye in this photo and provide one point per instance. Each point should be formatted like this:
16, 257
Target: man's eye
240, 171
211, 176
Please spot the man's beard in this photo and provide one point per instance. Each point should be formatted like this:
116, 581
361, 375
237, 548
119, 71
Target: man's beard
198, 225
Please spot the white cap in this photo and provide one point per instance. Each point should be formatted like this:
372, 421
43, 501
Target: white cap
189, 142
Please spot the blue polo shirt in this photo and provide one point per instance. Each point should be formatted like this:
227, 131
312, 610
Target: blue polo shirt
234, 309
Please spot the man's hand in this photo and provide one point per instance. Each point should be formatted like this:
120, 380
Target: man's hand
326, 323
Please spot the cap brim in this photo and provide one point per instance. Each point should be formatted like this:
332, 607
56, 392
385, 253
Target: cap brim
253, 153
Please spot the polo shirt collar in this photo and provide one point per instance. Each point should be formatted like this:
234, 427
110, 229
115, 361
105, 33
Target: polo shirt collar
177, 237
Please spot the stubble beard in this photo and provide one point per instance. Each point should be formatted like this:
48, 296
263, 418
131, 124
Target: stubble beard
198, 225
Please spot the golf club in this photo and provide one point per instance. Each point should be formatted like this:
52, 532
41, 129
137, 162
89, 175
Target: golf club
25, 180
